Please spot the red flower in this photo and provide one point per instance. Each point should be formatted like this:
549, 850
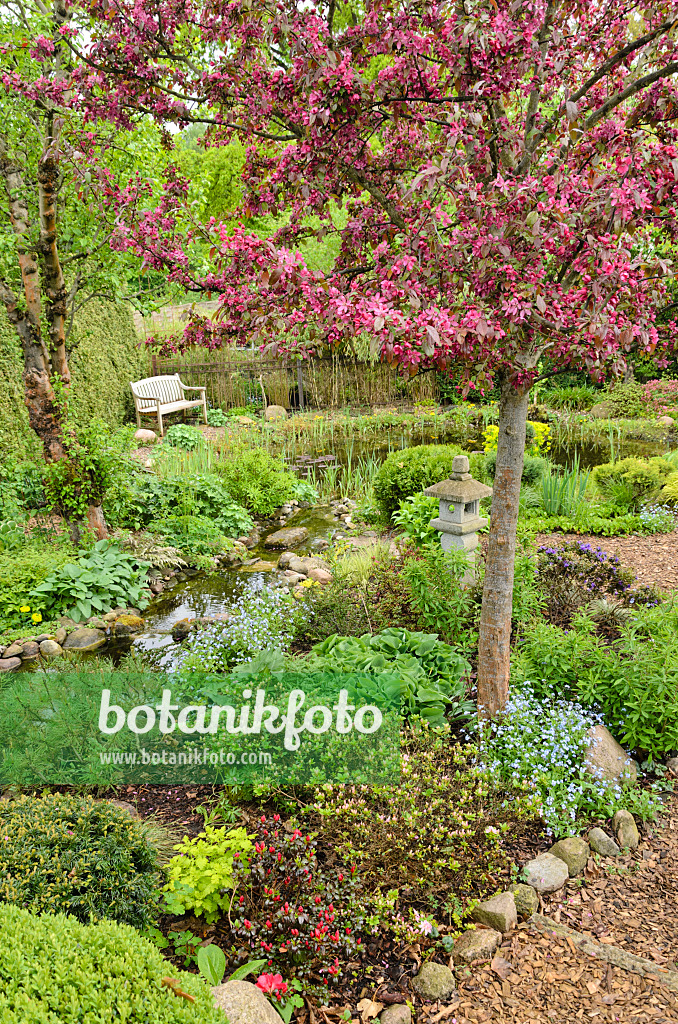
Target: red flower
269, 984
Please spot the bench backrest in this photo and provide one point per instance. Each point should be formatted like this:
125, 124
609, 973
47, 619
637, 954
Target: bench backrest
166, 388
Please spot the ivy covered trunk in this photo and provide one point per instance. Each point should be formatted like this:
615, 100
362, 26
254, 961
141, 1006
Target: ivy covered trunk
494, 650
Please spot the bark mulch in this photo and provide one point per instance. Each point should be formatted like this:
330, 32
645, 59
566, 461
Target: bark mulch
654, 559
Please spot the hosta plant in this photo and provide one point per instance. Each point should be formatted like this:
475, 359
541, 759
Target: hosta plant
106, 577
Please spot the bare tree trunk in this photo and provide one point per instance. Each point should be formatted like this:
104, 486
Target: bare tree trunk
55, 285
494, 653
43, 413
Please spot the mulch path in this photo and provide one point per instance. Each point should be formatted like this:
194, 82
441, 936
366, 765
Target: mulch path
654, 559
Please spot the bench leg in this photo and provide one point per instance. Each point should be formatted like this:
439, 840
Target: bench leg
160, 423
204, 409
138, 419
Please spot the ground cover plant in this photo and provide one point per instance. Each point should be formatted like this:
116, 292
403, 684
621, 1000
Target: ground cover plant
542, 741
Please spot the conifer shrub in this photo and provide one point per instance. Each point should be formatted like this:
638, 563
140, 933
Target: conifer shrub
79, 856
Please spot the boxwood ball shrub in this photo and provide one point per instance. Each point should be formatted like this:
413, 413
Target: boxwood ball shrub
79, 856
406, 472
56, 969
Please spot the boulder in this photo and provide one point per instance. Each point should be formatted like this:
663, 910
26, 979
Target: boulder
434, 982
606, 759
126, 806
84, 639
498, 913
31, 649
289, 537
259, 566
527, 901
304, 564
181, 629
672, 765
602, 844
96, 622
14, 650
320, 575
602, 411
50, 649
627, 831
126, 624
275, 412
399, 1013
285, 559
61, 635
574, 852
546, 873
475, 944
292, 578
110, 616
144, 436
666, 421
245, 420
244, 1003
9, 664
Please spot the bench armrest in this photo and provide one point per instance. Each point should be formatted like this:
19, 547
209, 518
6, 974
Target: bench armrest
186, 387
148, 398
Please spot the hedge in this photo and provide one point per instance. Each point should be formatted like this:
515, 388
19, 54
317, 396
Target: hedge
105, 357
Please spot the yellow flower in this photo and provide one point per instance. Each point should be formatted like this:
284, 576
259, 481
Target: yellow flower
25, 608
36, 617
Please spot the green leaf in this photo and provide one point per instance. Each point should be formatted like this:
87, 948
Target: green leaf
253, 967
211, 963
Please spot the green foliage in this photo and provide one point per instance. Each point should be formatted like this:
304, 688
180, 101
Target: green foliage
21, 571
95, 461
257, 480
434, 584
414, 518
150, 498
216, 417
53, 968
205, 871
564, 494
211, 963
192, 535
405, 473
416, 671
632, 481
534, 467
624, 400
181, 435
634, 681
79, 856
104, 578
579, 398
433, 835
12, 535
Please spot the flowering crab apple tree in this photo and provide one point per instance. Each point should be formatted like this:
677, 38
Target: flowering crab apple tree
497, 177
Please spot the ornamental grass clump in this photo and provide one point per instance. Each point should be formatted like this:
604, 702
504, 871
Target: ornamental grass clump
79, 856
542, 742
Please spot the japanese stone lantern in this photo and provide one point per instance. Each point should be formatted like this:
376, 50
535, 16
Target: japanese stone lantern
458, 510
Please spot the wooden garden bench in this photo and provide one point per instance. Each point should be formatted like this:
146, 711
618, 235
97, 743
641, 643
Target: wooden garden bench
159, 396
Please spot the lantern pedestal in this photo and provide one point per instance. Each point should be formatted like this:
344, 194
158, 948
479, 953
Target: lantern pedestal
458, 518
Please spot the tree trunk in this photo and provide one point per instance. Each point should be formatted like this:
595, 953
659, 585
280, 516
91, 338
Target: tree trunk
55, 285
494, 653
96, 521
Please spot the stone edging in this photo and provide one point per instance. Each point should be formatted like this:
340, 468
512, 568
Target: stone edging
610, 954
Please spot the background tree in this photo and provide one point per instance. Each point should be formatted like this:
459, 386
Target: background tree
54, 255
503, 169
